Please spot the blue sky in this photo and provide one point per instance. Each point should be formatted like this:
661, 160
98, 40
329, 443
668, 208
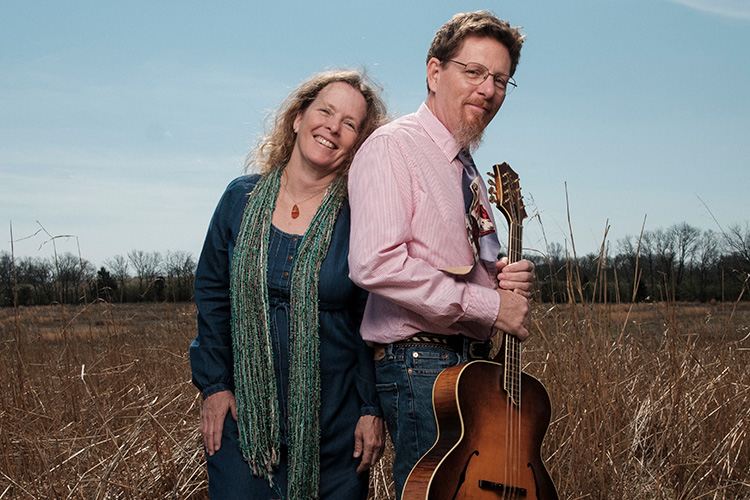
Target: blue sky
122, 122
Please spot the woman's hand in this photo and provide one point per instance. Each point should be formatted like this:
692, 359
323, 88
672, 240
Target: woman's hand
215, 408
368, 441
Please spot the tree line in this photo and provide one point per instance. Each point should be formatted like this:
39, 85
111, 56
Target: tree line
70, 279
681, 263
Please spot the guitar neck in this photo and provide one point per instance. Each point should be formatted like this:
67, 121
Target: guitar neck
512, 382
506, 194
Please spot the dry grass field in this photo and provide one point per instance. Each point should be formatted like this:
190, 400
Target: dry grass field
649, 402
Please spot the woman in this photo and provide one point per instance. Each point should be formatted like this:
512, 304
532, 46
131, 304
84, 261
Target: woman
290, 408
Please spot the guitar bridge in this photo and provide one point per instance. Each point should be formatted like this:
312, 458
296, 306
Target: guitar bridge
490, 485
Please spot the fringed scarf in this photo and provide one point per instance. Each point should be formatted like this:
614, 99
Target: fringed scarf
255, 383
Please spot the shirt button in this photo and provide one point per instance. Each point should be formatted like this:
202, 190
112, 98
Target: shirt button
294, 238
286, 274
290, 257
415, 354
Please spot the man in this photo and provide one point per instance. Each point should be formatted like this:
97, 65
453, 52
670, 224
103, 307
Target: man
438, 292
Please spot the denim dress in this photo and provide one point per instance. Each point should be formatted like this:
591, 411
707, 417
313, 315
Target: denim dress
346, 366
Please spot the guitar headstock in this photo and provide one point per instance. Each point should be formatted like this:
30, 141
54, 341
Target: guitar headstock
505, 193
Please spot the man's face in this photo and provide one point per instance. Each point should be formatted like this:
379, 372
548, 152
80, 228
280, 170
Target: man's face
465, 108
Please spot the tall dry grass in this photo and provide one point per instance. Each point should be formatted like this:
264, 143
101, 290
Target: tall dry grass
97, 403
649, 402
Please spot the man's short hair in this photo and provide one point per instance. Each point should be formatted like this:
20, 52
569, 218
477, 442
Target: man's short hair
450, 36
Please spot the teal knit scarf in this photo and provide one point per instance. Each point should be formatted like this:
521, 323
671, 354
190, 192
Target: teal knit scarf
255, 383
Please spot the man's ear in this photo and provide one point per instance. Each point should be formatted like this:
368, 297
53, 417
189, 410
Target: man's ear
434, 67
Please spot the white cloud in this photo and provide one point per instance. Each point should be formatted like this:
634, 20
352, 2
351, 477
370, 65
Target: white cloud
735, 9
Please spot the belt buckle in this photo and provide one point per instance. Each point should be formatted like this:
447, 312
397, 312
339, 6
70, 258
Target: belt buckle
479, 349
378, 352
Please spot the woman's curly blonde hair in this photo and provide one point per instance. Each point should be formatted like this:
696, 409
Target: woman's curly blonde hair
276, 147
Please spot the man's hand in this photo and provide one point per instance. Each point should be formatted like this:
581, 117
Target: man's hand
516, 284
513, 316
368, 441
518, 277
215, 408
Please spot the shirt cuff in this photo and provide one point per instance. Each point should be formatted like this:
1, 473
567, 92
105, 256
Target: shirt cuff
213, 389
374, 411
483, 306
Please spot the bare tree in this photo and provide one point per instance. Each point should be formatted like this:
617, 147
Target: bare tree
665, 254
179, 268
72, 274
685, 242
707, 255
118, 267
738, 239
626, 262
6, 279
146, 265
649, 253
38, 275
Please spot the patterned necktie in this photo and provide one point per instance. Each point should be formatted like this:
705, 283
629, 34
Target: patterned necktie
481, 230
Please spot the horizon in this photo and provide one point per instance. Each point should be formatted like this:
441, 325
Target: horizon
123, 123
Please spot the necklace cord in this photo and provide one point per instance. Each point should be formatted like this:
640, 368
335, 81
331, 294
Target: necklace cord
296, 204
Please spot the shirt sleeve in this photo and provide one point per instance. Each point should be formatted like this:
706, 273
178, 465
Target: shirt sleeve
211, 358
383, 194
365, 381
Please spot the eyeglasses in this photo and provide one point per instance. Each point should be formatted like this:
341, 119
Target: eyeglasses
475, 73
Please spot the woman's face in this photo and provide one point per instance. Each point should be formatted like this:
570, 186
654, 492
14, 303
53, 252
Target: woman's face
329, 127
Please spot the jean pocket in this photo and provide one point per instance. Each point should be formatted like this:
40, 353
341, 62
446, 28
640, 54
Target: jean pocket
430, 360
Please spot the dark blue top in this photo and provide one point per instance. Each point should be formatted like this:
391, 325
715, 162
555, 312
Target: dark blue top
346, 366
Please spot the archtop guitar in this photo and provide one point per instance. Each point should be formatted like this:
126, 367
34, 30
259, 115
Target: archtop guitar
491, 416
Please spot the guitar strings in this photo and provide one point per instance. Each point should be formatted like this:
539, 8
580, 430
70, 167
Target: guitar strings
513, 365
512, 463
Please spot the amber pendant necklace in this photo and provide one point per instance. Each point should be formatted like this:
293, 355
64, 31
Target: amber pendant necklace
295, 206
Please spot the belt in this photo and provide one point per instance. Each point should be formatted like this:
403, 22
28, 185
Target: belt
475, 349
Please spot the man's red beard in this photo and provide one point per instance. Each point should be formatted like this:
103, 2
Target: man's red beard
469, 133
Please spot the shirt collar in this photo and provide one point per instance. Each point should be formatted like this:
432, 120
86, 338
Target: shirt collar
437, 132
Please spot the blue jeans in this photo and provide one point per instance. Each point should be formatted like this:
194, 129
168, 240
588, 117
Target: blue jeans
405, 376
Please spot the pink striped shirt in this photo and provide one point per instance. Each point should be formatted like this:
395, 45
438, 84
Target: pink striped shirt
408, 223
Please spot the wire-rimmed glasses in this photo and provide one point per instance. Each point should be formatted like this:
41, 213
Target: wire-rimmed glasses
476, 73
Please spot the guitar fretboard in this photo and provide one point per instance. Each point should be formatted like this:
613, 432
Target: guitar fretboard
507, 193
512, 381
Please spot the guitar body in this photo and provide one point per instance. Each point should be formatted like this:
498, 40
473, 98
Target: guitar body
487, 448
